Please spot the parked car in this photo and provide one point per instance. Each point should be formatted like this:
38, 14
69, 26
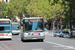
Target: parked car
65, 34
16, 28
57, 33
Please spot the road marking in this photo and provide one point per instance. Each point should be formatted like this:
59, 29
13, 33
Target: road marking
6, 47
60, 45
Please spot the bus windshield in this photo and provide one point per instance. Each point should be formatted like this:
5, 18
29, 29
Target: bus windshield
33, 24
15, 27
4, 27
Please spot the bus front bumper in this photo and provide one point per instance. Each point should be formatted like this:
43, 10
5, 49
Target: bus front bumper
33, 37
15, 32
5, 37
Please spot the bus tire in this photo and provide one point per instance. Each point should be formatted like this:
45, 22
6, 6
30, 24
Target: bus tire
22, 40
10, 39
41, 40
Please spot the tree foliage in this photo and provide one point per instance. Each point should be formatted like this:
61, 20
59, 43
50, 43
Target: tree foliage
40, 8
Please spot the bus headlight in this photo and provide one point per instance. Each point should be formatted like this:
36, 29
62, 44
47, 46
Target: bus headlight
26, 34
42, 34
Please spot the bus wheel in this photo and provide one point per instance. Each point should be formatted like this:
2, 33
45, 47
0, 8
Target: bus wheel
10, 39
41, 40
22, 40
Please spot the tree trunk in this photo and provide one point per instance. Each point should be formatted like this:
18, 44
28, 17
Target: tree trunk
54, 20
61, 18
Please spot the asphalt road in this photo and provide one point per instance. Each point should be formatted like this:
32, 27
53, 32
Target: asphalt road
50, 43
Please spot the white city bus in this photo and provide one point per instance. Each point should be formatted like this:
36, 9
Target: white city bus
5, 29
33, 29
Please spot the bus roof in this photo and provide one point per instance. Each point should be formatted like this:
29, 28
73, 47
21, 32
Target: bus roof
34, 18
4, 19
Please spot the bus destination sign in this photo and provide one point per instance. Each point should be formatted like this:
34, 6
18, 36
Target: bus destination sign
3, 22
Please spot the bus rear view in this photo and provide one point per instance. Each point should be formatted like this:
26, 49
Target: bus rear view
5, 29
33, 29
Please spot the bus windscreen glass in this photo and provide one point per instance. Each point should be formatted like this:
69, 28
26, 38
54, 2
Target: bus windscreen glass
33, 24
4, 27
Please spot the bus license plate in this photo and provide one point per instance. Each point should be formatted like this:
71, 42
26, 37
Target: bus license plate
34, 38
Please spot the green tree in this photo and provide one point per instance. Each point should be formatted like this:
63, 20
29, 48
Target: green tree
3, 9
39, 8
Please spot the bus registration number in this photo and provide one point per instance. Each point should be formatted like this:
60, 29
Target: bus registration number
34, 38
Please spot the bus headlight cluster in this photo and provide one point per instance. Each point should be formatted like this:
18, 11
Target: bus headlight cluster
42, 34
26, 34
